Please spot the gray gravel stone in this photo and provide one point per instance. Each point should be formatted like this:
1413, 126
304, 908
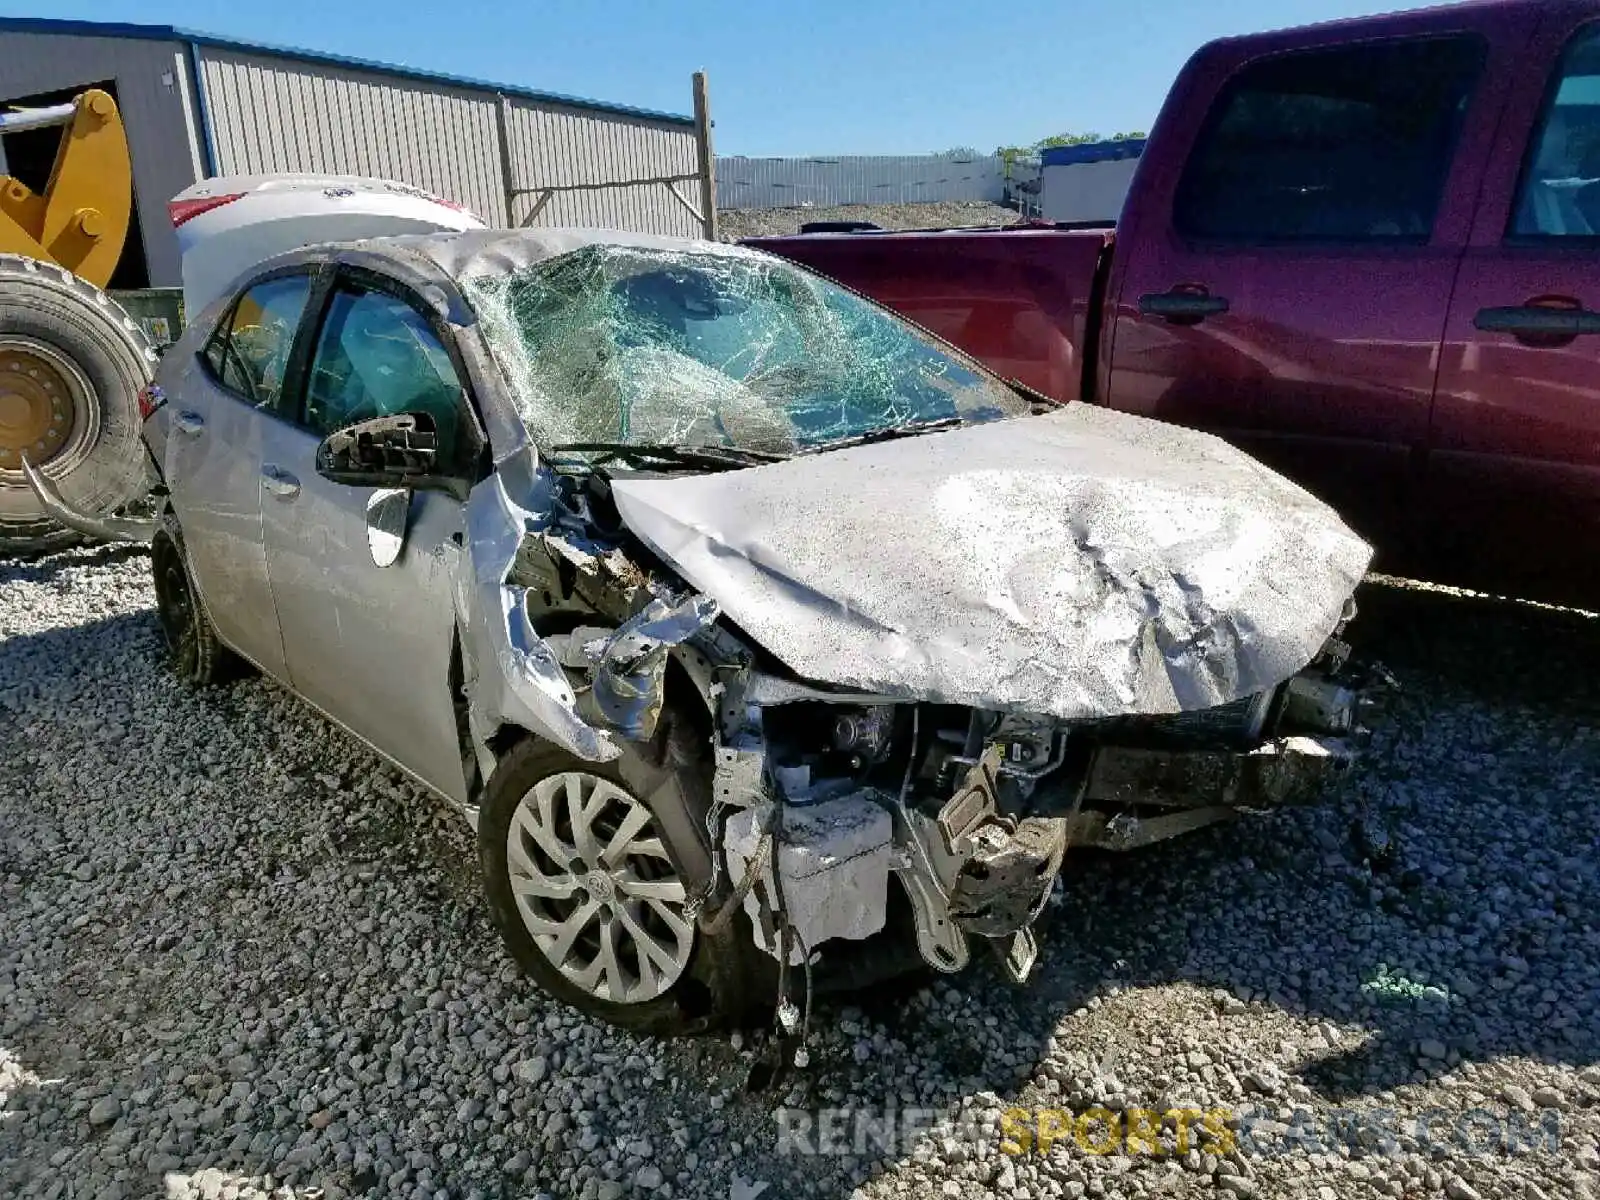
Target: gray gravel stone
288, 980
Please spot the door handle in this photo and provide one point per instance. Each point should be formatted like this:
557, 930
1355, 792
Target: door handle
190, 422
1548, 320
279, 482
1183, 306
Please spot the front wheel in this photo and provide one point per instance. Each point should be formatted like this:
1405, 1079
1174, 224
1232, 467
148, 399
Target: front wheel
590, 893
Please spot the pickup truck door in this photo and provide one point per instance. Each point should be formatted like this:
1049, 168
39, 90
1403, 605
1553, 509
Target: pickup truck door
223, 407
1286, 284
1513, 474
370, 646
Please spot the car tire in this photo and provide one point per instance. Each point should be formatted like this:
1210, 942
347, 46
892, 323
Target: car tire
193, 651
79, 361
705, 982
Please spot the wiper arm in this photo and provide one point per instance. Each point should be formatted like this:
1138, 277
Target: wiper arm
909, 429
710, 457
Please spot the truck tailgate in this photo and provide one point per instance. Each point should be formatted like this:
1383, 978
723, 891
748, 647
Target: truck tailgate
1023, 301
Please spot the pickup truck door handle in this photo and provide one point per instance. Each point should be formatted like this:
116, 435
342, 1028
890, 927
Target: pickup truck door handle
1547, 322
189, 422
1183, 306
279, 482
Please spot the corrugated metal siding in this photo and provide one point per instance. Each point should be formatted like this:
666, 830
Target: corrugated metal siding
273, 115
865, 179
551, 146
159, 115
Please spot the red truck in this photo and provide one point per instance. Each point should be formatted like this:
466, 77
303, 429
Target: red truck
1364, 252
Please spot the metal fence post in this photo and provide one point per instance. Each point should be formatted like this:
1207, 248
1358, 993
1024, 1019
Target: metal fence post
508, 168
707, 164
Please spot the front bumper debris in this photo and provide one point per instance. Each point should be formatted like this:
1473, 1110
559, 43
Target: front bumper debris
105, 528
1007, 877
975, 872
1284, 771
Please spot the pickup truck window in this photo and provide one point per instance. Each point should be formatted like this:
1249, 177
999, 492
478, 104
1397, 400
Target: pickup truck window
1349, 144
1560, 192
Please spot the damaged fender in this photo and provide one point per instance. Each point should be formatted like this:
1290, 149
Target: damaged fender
512, 675
630, 665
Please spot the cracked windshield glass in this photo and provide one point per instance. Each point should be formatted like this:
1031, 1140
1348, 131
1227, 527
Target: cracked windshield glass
657, 347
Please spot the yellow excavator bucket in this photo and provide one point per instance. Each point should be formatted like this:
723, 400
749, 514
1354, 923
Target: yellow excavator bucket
81, 220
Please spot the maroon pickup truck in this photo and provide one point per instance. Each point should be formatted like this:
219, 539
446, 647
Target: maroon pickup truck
1363, 251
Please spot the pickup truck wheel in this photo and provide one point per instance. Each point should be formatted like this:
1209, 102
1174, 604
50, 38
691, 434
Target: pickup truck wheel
71, 366
192, 646
589, 895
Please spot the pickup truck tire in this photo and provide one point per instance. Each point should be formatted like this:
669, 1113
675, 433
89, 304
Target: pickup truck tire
706, 981
71, 366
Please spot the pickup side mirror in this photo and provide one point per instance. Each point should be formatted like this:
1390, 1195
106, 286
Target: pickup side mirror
401, 451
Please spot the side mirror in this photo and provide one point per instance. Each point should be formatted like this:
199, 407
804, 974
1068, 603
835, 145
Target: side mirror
401, 451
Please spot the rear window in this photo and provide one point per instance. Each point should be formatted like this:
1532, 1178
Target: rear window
1560, 192
1351, 144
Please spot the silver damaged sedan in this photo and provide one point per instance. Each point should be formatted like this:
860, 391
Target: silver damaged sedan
770, 643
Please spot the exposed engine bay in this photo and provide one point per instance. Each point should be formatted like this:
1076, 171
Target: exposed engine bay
826, 799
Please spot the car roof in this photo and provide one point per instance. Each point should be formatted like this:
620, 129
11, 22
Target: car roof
489, 253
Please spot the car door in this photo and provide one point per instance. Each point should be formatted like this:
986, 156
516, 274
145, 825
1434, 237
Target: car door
371, 646
1513, 474
225, 404
1286, 286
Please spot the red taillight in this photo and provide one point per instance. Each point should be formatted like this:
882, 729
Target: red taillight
186, 210
151, 398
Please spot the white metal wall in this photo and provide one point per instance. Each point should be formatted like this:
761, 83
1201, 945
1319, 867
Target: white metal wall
865, 179
152, 81
552, 146
1092, 191
271, 114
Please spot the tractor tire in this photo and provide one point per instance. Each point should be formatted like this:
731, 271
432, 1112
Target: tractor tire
71, 366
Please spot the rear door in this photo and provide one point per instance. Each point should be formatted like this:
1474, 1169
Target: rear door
371, 646
223, 409
1286, 286
1513, 476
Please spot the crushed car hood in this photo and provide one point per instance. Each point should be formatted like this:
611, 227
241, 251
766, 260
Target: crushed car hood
1080, 564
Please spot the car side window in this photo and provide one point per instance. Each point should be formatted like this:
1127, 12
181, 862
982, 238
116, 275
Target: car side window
249, 351
377, 356
1559, 196
1348, 144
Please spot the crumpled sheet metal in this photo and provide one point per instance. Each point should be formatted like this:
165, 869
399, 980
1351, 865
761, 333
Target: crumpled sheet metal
513, 675
105, 527
630, 665
1080, 564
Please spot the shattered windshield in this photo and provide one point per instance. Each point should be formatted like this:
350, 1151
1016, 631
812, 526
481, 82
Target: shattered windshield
664, 347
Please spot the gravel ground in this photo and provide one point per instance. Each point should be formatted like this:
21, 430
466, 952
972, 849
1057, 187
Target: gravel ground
736, 223
240, 957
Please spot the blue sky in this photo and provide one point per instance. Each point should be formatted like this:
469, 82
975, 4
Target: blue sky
813, 77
